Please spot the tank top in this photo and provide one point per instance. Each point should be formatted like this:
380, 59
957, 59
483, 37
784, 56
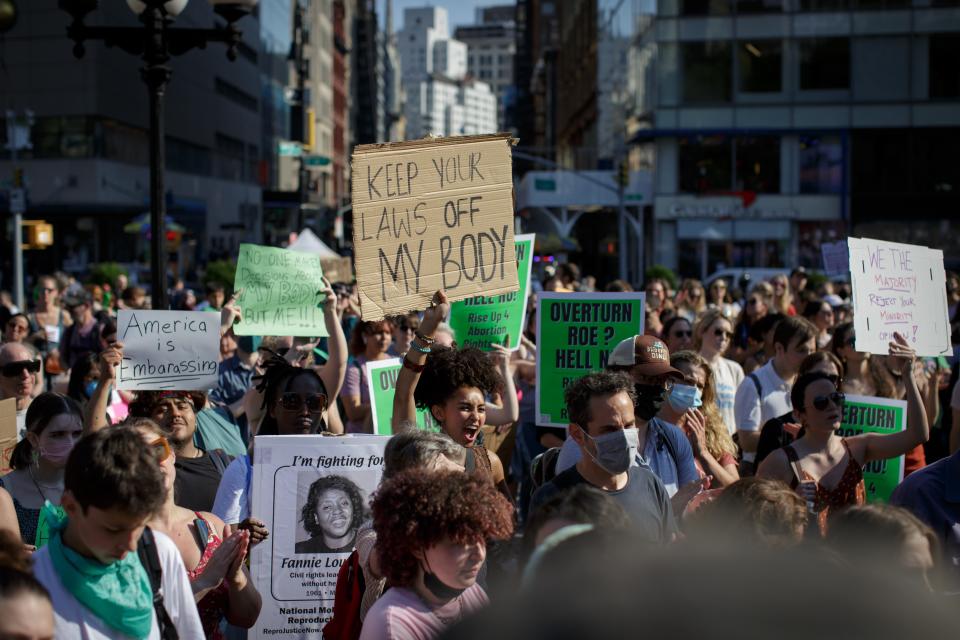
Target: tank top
849, 491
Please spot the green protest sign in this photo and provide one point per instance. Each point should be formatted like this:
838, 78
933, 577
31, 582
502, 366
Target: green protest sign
864, 414
279, 292
481, 320
575, 334
382, 384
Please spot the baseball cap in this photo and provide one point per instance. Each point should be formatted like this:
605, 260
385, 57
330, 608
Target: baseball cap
649, 355
833, 300
76, 298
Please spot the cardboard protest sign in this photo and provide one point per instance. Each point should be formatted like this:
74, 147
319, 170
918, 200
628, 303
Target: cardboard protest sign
8, 432
480, 320
432, 214
381, 381
168, 349
575, 334
279, 292
836, 260
899, 288
295, 569
863, 414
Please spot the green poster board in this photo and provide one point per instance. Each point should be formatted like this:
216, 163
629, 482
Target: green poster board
864, 414
575, 334
280, 292
382, 385
482, 320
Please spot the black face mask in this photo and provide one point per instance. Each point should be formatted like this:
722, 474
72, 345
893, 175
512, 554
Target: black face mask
440, 590
649, 400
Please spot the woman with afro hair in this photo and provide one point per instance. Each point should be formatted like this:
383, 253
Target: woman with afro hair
454, 385
432, 528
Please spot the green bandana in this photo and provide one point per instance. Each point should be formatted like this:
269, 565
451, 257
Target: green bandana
118, 593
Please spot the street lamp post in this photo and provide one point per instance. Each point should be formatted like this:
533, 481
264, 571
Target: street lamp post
156, 42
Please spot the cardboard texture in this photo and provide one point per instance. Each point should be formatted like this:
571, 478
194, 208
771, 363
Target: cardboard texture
8, 432
432, 214
899, 288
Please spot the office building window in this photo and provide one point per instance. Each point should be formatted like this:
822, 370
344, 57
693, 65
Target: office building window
188, 157
760, 65
880, 4
236, 95
824, 5
821, 164
824, 63
758, 164
706, 71
230, 157
944, 67
759, 6
705, 164
62, 137
705, 7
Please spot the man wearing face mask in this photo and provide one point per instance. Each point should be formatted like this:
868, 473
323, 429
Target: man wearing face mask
603, 426
662, 446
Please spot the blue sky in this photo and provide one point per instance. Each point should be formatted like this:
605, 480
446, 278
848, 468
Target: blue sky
460, 11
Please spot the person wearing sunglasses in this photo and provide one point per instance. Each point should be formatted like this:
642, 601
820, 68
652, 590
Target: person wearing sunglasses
712, 337
827, 469
820, 313
677, 333
17, 328
19, 378
757, 305
404, 328
212, 553
54, 425
692, 301
718, 297
48, 321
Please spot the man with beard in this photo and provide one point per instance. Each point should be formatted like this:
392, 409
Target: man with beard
198, 471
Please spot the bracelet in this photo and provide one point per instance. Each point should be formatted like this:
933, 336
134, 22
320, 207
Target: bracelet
427, 341
416, 347
413, 366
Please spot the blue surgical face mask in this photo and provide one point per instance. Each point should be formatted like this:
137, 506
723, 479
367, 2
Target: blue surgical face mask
684, 397
89, 388
615, 450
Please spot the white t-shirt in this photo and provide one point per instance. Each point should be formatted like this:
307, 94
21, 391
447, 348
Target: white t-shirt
727, 376
232, 504
752, 411
73, 620
21, 425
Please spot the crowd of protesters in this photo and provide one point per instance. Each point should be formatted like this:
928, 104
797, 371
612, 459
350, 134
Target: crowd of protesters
703, 471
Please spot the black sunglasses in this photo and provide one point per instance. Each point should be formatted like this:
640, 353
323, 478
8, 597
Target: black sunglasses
292, 401
722, 333
16, 369
820, 403
683, 334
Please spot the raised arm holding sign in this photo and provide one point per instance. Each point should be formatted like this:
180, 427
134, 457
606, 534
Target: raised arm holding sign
431, 215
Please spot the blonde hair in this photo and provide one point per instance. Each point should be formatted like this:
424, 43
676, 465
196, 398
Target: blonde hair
705, 322
717, 435
691, 283
782, 303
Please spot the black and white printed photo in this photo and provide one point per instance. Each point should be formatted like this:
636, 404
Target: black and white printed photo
330, 513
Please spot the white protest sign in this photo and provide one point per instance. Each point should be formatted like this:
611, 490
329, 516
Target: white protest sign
836, 261
432, 214
899, 288
295, 569
168, 349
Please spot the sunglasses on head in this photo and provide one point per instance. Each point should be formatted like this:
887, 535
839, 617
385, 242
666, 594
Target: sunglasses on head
16, 369
723, 333
161, 448
820, 403
292, 401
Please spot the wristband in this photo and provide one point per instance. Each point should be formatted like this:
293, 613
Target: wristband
416, 347
416, 368
427, 341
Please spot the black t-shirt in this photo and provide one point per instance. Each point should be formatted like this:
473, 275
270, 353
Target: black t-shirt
197, 482
644, 498
773, 436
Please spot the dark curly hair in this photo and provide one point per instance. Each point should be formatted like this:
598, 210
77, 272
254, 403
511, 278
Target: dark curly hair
308, 515
416, 510
143, 404
447, 370
277, 376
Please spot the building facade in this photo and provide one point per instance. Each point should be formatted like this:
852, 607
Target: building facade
87, 172
491, 47
440, 98
780, 125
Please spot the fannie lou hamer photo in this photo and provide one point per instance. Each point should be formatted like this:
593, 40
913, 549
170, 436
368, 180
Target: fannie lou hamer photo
332, 513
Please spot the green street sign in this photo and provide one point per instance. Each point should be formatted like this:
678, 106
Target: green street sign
545, 184
316, 161
289, 149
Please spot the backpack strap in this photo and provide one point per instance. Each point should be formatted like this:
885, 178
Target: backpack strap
664, 440
220, 460
150, 559
756, 383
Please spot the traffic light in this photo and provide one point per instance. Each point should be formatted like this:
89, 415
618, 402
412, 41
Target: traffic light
38, 234
623, 174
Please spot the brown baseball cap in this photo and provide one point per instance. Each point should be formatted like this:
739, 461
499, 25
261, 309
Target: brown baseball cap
647, 354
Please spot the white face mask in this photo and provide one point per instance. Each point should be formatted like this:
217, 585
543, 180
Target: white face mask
615, 450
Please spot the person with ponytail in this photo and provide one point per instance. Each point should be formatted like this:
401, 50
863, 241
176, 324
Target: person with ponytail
54, 425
